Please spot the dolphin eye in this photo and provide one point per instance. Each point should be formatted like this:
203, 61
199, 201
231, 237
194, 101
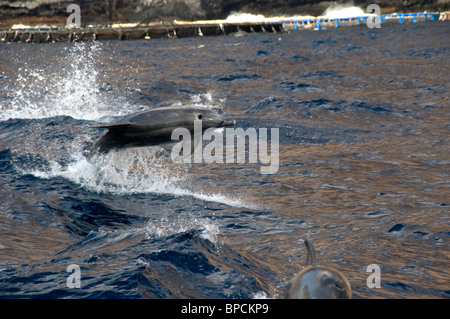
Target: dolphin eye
199, 116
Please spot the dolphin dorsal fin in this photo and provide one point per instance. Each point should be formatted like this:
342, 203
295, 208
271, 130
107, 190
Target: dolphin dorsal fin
311, 259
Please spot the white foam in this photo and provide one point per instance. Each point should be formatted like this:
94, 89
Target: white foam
260, 295
245, 17
339, 11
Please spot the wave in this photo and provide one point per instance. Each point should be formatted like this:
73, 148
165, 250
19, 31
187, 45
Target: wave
184, 222
126, 172
157, 228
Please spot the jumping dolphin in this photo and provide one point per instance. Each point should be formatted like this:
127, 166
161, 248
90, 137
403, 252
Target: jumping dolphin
318, 282
155, 126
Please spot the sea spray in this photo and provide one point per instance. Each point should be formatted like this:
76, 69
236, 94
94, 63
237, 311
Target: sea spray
72, 85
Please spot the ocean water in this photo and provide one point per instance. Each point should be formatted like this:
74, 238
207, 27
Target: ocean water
364, 165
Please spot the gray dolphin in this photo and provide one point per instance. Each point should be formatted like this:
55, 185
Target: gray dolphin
318, 282
155, 127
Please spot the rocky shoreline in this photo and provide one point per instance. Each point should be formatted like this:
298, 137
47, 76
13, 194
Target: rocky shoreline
97, 12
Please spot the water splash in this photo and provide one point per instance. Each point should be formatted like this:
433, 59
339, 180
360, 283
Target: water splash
125, 172
70, 86
183, 222
207, 100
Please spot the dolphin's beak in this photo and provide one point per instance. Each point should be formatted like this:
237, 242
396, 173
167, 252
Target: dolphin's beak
228, 122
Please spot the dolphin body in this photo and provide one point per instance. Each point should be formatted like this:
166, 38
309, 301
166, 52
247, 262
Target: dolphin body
318, 282
155, 127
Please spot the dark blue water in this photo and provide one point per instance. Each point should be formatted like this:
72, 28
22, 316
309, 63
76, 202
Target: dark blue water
364, 123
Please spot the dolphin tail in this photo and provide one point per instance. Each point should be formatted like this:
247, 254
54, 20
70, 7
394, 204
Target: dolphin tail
108, 140
311, 258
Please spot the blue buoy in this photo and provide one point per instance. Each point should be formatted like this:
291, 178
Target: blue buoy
337, 23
